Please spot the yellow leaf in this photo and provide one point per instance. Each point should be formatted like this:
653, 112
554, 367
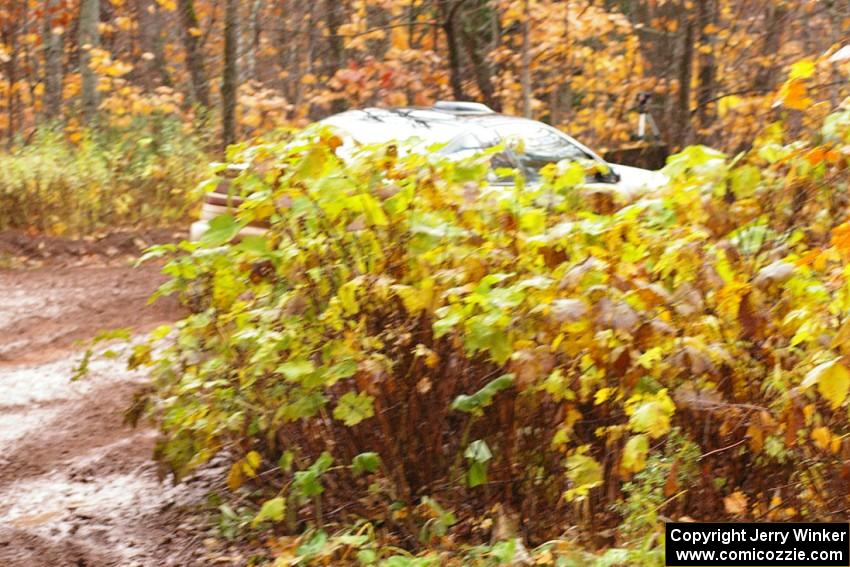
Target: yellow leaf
234, 477
736, 503
841, 238
634, 454
803, 69
729, 298
124, 23
832, 379
602, 395
727, 103
252, 463
585, 473
822, 437
398, 39
348, 296
649, 358
650, 413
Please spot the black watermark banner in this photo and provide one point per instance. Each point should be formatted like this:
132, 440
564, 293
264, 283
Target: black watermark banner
765, 545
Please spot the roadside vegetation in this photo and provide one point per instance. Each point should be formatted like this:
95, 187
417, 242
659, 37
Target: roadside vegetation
413, 367
140, 175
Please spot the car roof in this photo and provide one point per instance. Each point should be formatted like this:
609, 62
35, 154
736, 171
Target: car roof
380, 125
444, 122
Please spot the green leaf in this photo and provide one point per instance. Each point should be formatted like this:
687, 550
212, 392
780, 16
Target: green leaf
367, 556
478, 453
832, 379
312, 165
404, 561
483, 397
365, 463
222, 229
447, 321
354, 408
255, 244
340, 370
271, 511
312, 546
306, 483
585, 473
296, 369
323, 463
476, 475
285, 461
351, 540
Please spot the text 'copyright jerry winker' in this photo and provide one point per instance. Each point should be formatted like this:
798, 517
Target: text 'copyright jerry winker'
767, 544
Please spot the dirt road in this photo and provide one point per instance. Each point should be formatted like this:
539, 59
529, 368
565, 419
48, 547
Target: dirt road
77, 487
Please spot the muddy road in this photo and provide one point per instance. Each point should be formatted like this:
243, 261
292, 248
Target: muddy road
77, 487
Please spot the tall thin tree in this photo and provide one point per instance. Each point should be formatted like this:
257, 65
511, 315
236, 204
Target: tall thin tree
525, 64
89, 39
194, 53
230, 72
52, 40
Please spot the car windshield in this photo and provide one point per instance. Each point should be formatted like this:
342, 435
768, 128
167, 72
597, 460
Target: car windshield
537, 145
471, 143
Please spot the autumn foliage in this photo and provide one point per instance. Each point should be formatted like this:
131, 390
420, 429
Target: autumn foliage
713, 67
140, 175
412, 347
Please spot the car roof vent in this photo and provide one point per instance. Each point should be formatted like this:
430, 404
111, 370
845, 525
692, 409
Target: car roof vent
462, 106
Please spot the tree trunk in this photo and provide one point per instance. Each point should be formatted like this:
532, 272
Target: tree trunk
253, 43
525, 71
476, 32
228, 82
289, 60
563, 93
683, 102
482, 70
707, 16
765, 79
448, 24
89, 38
52, 63
150, 21
10, 39
194, 55
333, 19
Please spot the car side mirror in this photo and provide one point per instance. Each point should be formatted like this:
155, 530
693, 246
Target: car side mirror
609, 176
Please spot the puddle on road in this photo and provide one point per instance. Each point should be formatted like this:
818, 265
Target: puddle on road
17, 424
113, 512
76, 486
97, 486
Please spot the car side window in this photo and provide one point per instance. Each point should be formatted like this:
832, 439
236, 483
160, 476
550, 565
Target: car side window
469, 143
538, 145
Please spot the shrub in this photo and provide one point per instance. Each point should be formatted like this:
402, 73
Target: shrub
414, 346
143, 174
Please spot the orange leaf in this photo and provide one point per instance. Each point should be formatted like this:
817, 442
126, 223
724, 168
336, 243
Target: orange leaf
794, 95
736, 503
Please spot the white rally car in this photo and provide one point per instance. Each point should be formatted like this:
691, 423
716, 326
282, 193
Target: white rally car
464, 128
